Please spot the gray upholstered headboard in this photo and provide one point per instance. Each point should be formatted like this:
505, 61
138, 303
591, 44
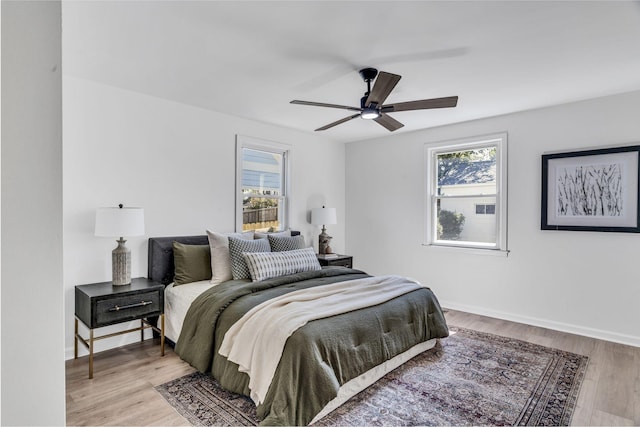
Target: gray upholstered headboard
161, 267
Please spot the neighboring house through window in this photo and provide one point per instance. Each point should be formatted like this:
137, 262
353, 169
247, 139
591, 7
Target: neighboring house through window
262, 196
466, 202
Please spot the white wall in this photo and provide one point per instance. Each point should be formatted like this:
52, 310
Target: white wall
33, 383
178, 163
582, 282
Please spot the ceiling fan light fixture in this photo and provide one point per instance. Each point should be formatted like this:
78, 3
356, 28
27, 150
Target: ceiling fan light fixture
370, 113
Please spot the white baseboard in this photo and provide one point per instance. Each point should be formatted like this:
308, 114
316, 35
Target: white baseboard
549, 324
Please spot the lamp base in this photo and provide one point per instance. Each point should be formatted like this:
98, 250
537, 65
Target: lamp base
323, 242
121, 264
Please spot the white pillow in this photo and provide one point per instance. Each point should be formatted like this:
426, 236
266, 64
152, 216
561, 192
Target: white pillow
285, 233
220, 258
265, 265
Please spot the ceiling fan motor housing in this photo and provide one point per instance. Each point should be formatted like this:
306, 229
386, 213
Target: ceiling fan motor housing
368, 112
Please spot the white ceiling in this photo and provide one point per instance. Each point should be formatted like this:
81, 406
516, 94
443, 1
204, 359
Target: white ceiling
250, 59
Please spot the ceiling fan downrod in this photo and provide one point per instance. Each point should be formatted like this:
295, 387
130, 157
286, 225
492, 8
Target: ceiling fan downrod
368, 111
368, 74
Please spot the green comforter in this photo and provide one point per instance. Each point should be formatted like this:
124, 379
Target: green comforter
320, 356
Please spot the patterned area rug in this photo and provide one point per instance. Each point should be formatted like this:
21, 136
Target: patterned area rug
470, 378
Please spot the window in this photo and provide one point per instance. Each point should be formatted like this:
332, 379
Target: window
466, 203
262, 196
485, 209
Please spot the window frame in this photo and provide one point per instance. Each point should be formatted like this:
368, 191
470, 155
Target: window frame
258, 144
432, 150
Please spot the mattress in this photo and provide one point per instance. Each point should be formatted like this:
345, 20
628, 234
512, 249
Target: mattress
177, 300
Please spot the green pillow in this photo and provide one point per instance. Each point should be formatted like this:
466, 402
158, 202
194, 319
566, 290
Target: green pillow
192, 263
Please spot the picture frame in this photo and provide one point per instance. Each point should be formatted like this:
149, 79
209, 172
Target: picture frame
591, 190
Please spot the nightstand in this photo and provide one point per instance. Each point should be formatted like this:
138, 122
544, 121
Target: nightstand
340, 260
103, 304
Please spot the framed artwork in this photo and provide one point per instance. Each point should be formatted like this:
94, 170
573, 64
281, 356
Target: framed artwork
591, 190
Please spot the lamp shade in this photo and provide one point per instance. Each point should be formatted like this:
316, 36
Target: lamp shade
323, 216
119, 222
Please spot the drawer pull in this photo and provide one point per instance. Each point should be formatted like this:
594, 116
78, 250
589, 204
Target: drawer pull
124, 307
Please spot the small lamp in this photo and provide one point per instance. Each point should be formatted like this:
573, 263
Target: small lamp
323, 216
119, 222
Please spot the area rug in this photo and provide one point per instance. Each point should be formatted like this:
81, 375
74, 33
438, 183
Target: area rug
470, 378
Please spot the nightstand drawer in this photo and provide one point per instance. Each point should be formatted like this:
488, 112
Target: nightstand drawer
129, 307
96, 303
339, 260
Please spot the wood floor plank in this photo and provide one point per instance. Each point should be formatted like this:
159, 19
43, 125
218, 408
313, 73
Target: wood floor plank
616, 392
122, 391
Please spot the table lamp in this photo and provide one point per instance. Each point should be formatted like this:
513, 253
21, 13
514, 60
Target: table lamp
323, 216
120, 222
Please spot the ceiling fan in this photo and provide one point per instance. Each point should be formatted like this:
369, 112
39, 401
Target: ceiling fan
372, 105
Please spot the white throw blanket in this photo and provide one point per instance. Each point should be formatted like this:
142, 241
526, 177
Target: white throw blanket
256, 341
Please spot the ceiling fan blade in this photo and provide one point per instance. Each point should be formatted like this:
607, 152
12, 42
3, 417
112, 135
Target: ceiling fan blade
346, 119
389, 122
423, 104
385, 82
322, 104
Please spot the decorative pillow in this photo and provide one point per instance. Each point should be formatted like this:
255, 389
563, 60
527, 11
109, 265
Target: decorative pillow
192, 263
239, 269
220, 259
265, 265
285, 233
279, 244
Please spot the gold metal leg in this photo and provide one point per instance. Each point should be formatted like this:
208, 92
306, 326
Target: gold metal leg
75, 345
162, 334
90, 353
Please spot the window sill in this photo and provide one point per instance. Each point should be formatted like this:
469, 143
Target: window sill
468, 250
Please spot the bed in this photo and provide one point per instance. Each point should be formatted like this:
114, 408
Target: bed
323, 361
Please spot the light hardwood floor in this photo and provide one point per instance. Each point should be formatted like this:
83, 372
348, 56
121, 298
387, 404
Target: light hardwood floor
122, 390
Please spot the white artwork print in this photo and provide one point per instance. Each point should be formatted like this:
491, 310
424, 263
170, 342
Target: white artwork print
599, 190
590, 190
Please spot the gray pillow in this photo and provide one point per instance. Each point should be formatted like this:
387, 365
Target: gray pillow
192, 263
260, 235
239, 269
280, 244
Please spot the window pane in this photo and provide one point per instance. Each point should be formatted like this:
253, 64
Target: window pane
467, 172
261, 172
457, 222
262, 214
465, 178
491, 209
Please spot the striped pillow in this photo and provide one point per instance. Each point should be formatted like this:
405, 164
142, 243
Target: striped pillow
265, 265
